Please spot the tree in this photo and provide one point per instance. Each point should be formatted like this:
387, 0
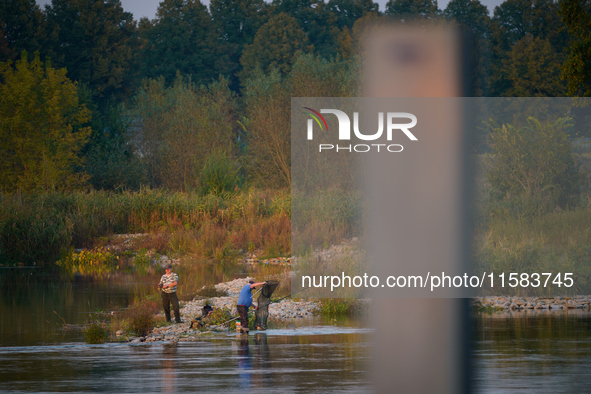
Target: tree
236, 23
516, 18
472, 16
316, 19
576, 15
108, 156
313, 76
6, 53
348, 11
268, 104
275, 46
533, 69
182, 38
22, 24
512, 21
41, 128
268, 146
177, 128
534, 161
411, 9
94, 40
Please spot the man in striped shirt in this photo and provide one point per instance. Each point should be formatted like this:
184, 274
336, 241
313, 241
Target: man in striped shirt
168, 284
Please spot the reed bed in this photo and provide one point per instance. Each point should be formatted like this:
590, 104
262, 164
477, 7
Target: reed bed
43, 228
555, 242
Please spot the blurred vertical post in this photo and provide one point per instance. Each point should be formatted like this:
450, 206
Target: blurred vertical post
419, 210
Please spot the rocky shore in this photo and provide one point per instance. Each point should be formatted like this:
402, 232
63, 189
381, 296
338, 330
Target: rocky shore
289, 309
499, 303
285, 309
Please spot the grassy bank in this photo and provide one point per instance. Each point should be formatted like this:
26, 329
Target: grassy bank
556, 242
45, 228
524, 235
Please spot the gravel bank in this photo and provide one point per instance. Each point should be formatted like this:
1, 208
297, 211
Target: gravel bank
539, 303
285, 309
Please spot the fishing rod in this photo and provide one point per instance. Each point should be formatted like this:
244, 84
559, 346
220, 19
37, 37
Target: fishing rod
276, 301
289, 295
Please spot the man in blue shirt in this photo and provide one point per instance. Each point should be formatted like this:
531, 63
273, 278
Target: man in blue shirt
244, 302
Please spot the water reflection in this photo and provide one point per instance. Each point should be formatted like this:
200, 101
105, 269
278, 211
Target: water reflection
542, 352
254, 361
230, 364
244, 363
263, 360
33, 312
168, 367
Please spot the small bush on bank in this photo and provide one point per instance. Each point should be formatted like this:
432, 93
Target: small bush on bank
211, 292
339, 307
220, 174
139, 318
98, 261
95, 333
218, 316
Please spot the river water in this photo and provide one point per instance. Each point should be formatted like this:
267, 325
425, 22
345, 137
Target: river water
541, 352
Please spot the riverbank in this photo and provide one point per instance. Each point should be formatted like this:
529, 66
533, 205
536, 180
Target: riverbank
499, 303
283, 310
289, 309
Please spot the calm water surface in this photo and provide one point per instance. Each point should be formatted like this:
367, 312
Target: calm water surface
33, 312
533, 352
512, 352
324, 359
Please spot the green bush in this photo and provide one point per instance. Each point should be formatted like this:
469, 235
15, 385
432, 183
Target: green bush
535, 161
339, 307
220, 174
218, 316
211, 292
96, 261
141, 316
95, 333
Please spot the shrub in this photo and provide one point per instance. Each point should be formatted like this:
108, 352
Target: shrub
95, 333
339, 307
211, 292
96, 261
535, 160
141, 316
220, 174
218, 316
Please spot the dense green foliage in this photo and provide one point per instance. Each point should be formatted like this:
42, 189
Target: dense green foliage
42, 228
181, 126
95, 41
95, 333
196, 103
576, 15
275, 46
182, 39
22, 28
41, 126
535, 161
164, 93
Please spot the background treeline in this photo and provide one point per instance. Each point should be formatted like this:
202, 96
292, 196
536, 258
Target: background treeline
149, 102
197, 102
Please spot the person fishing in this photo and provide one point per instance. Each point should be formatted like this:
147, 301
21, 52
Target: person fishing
244, 302
168, 284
